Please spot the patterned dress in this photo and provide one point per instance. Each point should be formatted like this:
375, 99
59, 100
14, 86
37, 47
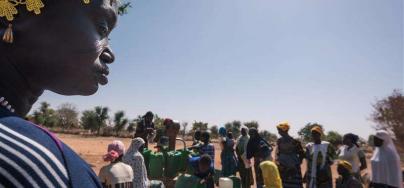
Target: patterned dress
135, 159
319, 160
289, 157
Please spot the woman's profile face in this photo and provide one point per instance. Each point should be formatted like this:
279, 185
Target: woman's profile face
65, 49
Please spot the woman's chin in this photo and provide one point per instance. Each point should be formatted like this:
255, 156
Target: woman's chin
78, 90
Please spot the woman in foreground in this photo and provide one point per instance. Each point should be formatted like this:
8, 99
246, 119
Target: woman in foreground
61, 46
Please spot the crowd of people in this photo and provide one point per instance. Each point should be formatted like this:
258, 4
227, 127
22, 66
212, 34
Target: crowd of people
273, 168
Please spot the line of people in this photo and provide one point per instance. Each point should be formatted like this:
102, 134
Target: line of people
283, 170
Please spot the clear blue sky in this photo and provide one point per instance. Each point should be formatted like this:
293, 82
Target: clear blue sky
303, 61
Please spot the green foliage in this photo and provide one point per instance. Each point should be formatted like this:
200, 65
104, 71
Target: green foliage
132, 126
120, 121
305, 132
89, 120
158, 122
214, 131
334, 138
389, 114
233, 127
251, 124
68, 116
96, 119
199, 125
123, 8
45, 115
268, 136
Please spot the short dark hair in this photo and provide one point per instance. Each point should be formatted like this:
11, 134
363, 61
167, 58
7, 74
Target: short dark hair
149, 114
205, 134
205, 160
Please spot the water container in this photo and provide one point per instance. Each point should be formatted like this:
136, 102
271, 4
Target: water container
236, 181
189, 181
225, 183
156, 165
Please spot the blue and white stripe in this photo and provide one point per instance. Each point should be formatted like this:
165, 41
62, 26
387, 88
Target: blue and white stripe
26, 156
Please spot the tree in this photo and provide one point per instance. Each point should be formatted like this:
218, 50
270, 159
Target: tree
132, 126
89, 120
184, 128
251, 124
214, 131
270, 137
158, 122
334, 138
68, 116
388, 114
234, 127
102, 117
120, 121
305, 132
199, 125
45, 115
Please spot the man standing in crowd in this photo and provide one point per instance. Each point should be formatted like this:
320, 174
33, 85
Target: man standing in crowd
145, 128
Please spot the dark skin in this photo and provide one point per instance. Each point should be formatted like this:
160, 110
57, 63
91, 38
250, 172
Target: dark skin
244, 132
64, 49
253, 133
349, 142
378, 142
316, 137
283, 133
343, 171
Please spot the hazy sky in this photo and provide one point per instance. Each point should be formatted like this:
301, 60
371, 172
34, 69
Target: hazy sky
322, 61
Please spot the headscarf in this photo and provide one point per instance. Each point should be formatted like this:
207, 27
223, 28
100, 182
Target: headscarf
353, 137
222, 132
115, 150
386, 167
317, 129
346, 165
133, 148
284, 126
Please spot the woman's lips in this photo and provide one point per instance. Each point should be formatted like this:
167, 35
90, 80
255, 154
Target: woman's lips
102, 73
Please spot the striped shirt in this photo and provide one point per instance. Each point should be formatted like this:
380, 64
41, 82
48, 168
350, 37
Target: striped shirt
32, 157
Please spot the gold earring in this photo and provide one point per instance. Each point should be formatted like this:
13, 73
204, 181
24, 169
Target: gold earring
8, 36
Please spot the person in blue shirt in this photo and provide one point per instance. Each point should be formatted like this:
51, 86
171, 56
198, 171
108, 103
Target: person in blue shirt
60, 46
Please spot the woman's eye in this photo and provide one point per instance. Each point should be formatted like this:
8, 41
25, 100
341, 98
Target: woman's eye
103, 30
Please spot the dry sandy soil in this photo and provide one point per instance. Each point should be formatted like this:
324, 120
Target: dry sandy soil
93, 148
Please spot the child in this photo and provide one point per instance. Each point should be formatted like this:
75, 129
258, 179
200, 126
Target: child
270, 173
117, 173
346, 179
203, 168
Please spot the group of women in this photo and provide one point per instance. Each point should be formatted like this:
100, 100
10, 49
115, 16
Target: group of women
284, 170
320, 156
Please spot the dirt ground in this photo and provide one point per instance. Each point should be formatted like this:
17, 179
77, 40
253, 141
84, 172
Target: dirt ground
91, 149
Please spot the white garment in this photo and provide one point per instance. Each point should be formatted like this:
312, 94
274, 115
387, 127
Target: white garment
315, 149
116, 173
135, 159
351, 155
386, 167
245, 139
